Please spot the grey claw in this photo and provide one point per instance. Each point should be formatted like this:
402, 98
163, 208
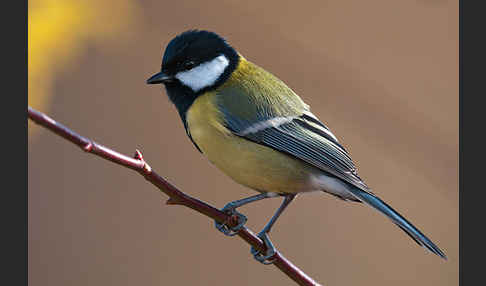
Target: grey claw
271, 251
231, 231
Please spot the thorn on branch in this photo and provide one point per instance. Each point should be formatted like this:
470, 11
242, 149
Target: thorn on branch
88, 147
138, 155
172, 201
146, 167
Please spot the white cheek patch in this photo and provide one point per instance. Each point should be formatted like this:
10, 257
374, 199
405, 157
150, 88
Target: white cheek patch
205, 74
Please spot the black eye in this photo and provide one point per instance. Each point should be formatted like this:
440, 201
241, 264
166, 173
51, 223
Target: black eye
189, 65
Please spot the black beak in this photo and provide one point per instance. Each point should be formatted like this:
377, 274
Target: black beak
159, 78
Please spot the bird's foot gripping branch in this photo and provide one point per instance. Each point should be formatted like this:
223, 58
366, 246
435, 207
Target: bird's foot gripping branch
176, 197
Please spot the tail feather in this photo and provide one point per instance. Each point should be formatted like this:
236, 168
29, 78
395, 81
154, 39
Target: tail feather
399, 220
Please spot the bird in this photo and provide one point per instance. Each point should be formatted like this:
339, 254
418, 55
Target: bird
259, 132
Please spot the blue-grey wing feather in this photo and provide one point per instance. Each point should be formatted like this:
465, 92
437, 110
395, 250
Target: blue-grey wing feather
303, 136
316, 148
285, 125
303, 139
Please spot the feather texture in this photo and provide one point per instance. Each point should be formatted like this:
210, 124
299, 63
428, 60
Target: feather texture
271, 114
259, 107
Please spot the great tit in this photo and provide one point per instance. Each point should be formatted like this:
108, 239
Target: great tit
255, 129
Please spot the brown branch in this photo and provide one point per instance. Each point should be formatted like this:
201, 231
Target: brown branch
176, 197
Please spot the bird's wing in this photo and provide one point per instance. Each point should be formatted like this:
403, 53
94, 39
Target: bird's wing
284, 123
293, 130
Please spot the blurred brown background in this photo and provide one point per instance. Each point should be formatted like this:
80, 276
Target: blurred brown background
382, 74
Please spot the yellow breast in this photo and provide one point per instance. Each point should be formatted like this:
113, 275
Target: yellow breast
248, 163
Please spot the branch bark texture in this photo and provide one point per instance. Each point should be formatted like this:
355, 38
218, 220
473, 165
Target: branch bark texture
176, 197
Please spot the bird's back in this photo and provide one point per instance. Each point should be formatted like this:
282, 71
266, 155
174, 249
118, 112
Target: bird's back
254, 165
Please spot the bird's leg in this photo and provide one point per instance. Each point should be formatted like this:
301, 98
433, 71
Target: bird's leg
266, 259
230, 208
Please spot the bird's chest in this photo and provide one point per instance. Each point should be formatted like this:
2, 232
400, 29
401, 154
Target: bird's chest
217, 143
248, 163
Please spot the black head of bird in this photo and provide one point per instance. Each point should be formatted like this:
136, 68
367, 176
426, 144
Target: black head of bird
193, 63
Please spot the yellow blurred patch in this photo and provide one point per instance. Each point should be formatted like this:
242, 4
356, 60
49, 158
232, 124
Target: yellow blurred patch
58, 31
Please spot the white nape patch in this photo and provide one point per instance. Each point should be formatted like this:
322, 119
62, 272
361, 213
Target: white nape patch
205, 74
327, 131
274, 122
